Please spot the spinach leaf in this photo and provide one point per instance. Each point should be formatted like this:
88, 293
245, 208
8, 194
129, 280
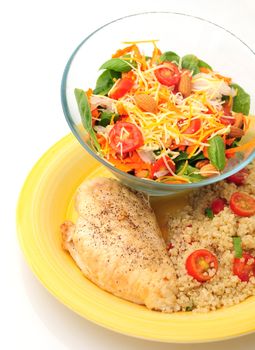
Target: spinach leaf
237, 242
209, 213
194, 159
241, 102
181, 156
106, 117
169, 56
105, 82
116, 64
134, 63
191, 62
189, 172
194, 177
203, 64
86, 116
235, 144
179, 166
216, 152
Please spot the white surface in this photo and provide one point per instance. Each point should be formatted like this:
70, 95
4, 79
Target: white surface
36, 41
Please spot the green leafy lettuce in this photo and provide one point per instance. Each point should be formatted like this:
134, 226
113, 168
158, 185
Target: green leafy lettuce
106, 81
86, 116
242, 100
216, 152
193, 63
117, 64
169, 56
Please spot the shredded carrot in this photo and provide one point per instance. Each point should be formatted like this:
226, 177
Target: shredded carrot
156, 54
250, 144
226, 79
95, 113
133, 162
205, 152
204, 70
89, 93
191, 149
124, 51
129, 75
229, 142
101, 140
121, 109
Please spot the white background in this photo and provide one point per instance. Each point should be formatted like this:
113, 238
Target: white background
37, 38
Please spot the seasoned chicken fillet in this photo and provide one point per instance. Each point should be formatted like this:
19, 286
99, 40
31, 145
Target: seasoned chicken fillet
117, 244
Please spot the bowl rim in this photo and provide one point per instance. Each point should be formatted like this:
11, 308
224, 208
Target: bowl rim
140, 181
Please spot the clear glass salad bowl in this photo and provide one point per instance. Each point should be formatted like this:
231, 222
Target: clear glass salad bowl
176, 32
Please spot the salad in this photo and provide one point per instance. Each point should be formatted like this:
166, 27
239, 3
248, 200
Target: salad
163, 117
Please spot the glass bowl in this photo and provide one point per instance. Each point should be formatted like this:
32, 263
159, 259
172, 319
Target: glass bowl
177, 32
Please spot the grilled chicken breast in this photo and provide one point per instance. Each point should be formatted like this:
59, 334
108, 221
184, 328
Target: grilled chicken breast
117, 244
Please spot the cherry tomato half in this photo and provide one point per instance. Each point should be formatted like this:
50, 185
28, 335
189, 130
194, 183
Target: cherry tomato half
218, 205
160, 165
120, 89
242, 204
199, 263
227, 121
242, 268
194, 126
239, 178
168, 75
125, 137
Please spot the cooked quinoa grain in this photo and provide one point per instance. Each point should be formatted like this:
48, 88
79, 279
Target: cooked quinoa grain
190, 230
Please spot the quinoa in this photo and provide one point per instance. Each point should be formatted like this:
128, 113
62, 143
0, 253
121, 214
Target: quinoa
190, 229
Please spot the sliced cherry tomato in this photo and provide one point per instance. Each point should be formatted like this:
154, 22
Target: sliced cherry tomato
125, 137
244, 267
218, 205
168, 75
242, 204
120, 89
227, 121
194, 126
239, 178
160, 165
199, 263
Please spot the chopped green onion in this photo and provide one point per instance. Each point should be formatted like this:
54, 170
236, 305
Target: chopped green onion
209, 213
189, 308
237, 242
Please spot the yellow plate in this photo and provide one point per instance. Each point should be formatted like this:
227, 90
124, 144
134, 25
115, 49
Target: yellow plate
44, 204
